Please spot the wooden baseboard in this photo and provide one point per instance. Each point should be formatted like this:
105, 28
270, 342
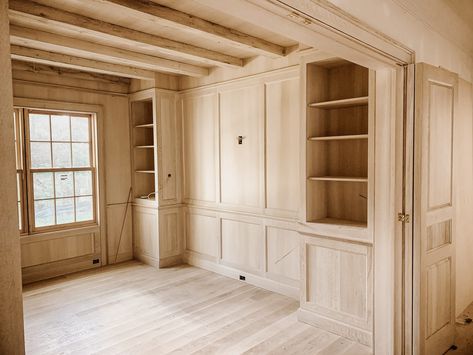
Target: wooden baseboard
121, 257
170, 261
146, 259
259, 281
58, 268
345, 330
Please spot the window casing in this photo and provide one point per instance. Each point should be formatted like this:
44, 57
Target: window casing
60, 170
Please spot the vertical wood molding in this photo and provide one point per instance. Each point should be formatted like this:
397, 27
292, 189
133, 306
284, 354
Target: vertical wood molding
384, 241
11, 303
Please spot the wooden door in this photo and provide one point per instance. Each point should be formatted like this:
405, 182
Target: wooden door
434, 243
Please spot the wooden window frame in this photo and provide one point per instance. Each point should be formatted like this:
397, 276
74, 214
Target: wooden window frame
28, 220
21, 167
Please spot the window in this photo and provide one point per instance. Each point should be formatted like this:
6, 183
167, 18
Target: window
20, 171
61, 172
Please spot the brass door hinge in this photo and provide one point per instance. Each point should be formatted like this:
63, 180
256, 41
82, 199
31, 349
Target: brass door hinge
401, 217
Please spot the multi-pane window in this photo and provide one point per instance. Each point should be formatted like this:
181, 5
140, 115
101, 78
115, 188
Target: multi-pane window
20, 171
61, 169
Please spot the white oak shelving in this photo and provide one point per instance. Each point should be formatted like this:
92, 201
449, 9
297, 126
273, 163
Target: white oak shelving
343, 137
144, 147
337, 144
145, 171
147, 125
339, 178
334, 104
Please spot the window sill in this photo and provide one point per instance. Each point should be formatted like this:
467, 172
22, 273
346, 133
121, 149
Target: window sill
58, 234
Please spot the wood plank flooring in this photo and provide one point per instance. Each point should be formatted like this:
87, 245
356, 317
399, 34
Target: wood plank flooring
464, 333
133, 308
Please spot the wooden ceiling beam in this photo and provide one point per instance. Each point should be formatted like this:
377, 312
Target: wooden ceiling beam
68, 61
165, 45
66, 45
180, 20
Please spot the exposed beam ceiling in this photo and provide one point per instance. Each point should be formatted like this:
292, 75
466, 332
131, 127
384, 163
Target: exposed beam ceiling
104, 29
66, 45
68, 61
180, 20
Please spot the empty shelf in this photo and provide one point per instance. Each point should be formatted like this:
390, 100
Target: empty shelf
335, 138
339, 178
144, 146
145, 171
355, 101
148, 125
341, 222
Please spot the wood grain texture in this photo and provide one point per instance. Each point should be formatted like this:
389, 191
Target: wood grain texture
134, 308
241, 169
88, 24
11, 318
199, 120
434, 261
74, 62
183, 21
38, 39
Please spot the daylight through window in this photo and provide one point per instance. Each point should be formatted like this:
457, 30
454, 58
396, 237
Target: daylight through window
59, 149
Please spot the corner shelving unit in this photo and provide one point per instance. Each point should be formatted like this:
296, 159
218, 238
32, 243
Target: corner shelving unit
144, 149
337, 122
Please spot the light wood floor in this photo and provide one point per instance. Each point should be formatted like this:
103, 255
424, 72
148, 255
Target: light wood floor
135, 309
464, 333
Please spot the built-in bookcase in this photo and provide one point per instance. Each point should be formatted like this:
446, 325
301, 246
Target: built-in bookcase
337, 143
144, 149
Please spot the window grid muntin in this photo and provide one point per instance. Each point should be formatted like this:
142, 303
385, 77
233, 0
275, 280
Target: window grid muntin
72, 169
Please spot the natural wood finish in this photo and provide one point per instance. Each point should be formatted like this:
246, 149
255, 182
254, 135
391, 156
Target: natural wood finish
337, 287
350, 102
183, 21
434, 205
200, 119
38, 39
180, 309
337, 141
241, 114
11, 312
338, 178
68, 61
144, 146
282, 145
33, 91
242, 245
339, 138
146, 235
165, 45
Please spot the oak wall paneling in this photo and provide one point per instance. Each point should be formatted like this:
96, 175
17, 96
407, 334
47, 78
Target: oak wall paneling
200, 146
241, 164
40, 258
242, 244
202, 232
237, 218
282, 143
11, 301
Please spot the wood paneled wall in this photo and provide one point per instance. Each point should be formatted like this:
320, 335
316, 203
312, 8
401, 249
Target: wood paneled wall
243, 199
60, 253
463, 195
11, 302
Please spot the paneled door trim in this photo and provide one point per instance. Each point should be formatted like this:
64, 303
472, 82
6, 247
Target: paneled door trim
436, 96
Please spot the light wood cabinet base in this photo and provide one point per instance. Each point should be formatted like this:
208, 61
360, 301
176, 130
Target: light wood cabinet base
359, 335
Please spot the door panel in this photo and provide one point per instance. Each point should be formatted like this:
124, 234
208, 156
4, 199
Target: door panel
434, 245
